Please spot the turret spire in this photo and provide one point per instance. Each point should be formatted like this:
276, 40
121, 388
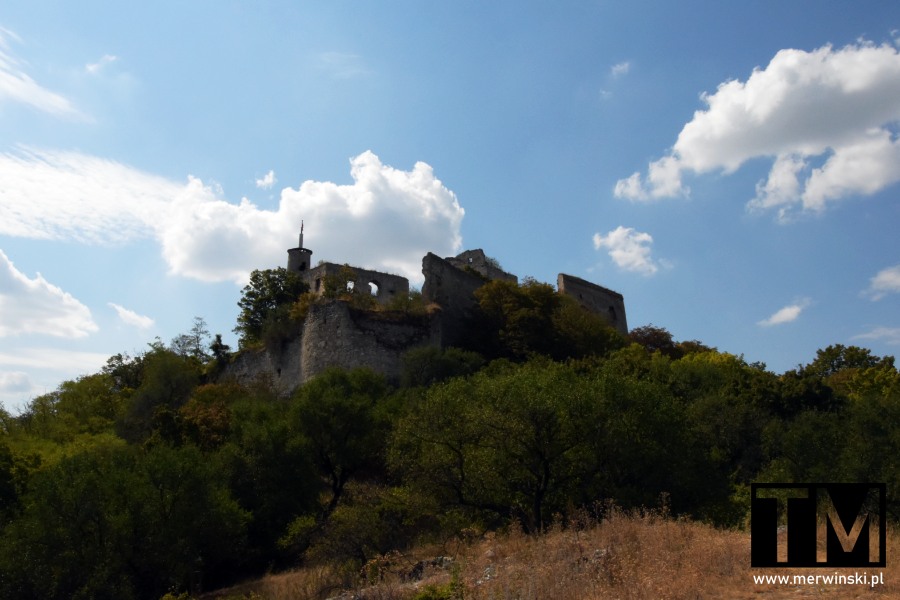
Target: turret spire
301, 233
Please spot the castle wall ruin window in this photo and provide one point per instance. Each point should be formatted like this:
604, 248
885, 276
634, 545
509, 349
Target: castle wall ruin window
374, 288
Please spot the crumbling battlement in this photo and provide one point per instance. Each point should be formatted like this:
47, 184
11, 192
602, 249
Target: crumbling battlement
480, 263
382, 286
335, 335
596, 299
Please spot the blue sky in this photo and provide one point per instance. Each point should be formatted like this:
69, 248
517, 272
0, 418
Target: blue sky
731, 168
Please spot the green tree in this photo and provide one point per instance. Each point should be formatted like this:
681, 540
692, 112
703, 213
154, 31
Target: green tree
342, 415
267, 464
533, 424
265, 303
517, 321
167, 382
194, 343
655, 339
429, 365
116, 523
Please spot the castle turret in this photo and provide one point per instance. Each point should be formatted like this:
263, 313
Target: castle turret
299, 258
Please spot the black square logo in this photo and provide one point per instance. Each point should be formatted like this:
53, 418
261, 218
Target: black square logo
817, 525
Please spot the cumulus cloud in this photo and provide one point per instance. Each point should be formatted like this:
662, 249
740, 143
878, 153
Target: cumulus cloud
37, 306
129, 317
888, 335
629, 249
887, 281
267, 181
836, 108
787, 314
17, 86
386, 219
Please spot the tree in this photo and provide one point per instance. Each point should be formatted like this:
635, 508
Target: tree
429, 365
193, 343
516, 321
512, 444
265, 302
167, 382
116, 522
219, 349
838, 357
339, 413
655, 339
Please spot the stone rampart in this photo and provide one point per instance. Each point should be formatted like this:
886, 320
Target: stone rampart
334, 335
452, 289
383, 286
478, 261
595, 298
280, 368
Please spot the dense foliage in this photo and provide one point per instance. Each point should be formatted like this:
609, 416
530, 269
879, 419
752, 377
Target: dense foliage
152, 477
265, 305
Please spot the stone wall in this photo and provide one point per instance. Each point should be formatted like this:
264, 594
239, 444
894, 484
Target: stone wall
453, 290
280, 368
386, 286
478, 261
335, 335
596, 299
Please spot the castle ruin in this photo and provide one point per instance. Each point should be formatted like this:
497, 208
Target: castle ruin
335, 334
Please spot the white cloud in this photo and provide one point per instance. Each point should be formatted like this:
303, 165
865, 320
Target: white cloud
49, 194
37, 306
889, 335
106, 59
386, 219
17, 86
838, 105
267, 181
61, 360
129, 317
887, 281
620, 69
31, 371
629, 249
15, 382
786, 315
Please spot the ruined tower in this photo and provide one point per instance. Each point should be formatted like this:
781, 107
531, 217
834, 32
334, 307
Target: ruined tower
299, 258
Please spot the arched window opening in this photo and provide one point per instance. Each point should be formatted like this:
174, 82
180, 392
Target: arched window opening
373, 288
350, 285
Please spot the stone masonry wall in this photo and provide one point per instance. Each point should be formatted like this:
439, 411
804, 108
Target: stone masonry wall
453, 290
478, 261
281, 369
596, 299
334, 335
389, 286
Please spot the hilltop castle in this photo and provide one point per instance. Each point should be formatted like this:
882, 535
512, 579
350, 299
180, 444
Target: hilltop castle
333, 334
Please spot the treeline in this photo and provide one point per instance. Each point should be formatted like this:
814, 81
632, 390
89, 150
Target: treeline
152, 476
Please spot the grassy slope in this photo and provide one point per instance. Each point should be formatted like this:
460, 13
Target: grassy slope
626, 556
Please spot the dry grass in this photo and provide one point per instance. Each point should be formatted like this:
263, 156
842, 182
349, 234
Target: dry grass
627, 557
